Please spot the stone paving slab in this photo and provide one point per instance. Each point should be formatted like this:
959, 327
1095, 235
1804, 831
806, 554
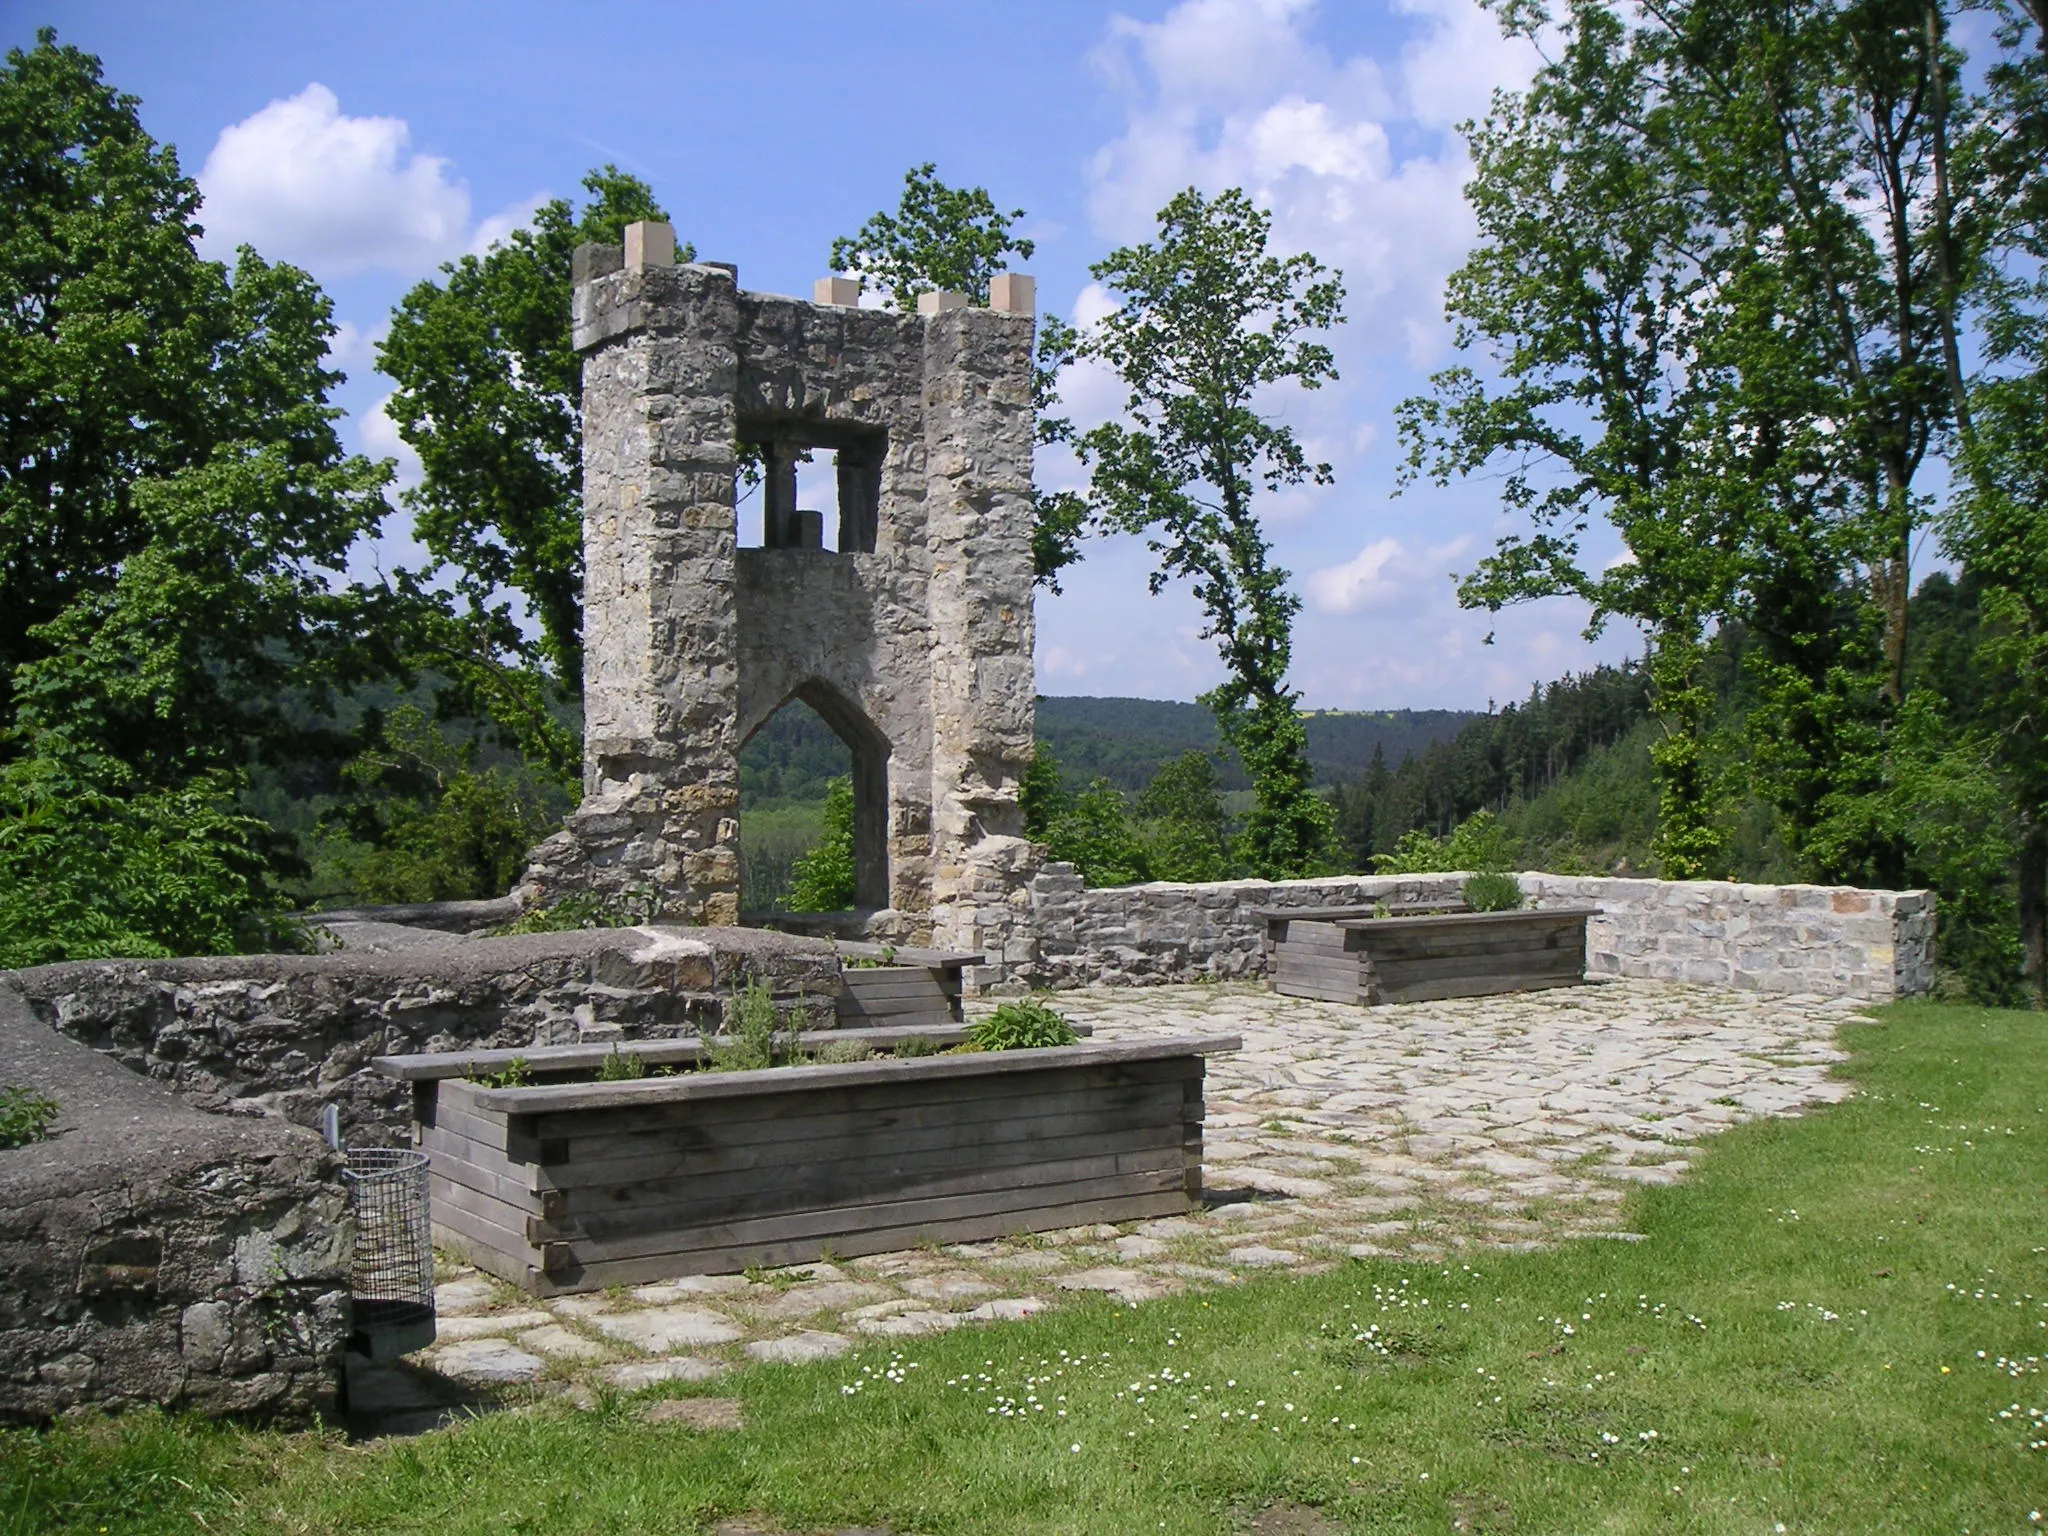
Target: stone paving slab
1409, 1131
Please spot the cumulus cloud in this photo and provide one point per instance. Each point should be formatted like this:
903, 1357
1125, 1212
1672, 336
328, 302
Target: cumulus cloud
305, 182
302, 181
1223, 93
1385, 575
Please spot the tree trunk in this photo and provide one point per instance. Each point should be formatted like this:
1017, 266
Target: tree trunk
2033, 904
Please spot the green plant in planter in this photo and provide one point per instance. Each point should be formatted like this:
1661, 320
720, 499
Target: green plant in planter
620, 1066
1024, 1025
750, 1027
1493, 891
518, 1073
914, 1045
837, 1053
25, 1116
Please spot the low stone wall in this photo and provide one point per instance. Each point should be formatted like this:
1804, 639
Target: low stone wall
290, 1034
1831, 941
153, 1254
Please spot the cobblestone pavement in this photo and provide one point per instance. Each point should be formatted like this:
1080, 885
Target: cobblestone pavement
1407, 1131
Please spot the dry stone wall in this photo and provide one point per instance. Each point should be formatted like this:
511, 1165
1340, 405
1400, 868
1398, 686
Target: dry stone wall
287, 1035
1821, 940
151, 1254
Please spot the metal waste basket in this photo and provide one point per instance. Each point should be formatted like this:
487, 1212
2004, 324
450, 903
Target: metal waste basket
391, 1282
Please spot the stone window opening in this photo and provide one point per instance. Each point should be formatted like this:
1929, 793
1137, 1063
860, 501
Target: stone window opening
866, 760
810, 486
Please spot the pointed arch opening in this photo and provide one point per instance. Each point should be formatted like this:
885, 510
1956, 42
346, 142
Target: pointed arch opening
815, 735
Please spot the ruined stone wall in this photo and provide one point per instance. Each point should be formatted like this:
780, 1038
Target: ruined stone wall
287, 1035
1821, 940
154, 1255
913, 639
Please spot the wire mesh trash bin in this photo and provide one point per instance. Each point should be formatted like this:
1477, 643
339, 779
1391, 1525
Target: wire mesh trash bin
391, 1282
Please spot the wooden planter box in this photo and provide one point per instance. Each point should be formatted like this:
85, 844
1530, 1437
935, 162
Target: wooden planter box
907, 987
1349, 956
574, 1186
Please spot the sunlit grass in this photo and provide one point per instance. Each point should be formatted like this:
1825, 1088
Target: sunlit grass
1834, 1324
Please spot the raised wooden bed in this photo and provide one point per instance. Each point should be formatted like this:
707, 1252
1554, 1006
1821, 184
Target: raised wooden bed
903, 987
574, 1186
1350, 956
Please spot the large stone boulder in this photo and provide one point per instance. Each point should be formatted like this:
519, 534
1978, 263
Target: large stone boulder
151, 1253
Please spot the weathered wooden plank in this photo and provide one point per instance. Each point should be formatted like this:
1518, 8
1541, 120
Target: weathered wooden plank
890, 981
511, 1245
929, 1005
594, 1160
1358, 909
848, 1244
858, 1163
884, 1154
1328, 967
885, 1213
767, 1104
1515, 963
448, 1195
465, 1249
510, 1188
908, 954
815, 1079
1508, 941
684, 1050
731, 1202
1450, 921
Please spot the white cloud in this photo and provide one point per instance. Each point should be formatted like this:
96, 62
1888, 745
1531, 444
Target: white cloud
379, 437
353, 348
1385, 575
514, 216
302, 181
1223, 93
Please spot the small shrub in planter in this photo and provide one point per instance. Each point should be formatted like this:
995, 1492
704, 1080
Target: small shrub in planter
1021, 1026
1493, 891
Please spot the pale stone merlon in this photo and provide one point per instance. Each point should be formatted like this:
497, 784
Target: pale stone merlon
911, 636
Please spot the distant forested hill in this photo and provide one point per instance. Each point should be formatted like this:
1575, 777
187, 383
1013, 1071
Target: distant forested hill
1127, 740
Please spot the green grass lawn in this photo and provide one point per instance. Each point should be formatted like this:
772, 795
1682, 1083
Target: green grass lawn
1836, 1324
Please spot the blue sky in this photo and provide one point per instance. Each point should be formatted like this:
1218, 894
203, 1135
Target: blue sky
369, 142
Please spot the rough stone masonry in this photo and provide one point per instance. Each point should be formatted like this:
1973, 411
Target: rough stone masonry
912, 638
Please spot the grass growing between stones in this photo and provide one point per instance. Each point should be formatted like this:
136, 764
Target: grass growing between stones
1834, 1324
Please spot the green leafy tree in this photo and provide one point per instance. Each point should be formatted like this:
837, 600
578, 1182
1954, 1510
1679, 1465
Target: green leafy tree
428, 825
1042, 795
1586, 294
955, 239
1998, 524
175, 509
175, 518
490, 396
939, 238
1182, 821
1207, 320
1095, 834
92, 869
823, 879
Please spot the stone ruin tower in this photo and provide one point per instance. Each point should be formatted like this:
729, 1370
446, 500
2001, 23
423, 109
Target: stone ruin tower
911, 638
